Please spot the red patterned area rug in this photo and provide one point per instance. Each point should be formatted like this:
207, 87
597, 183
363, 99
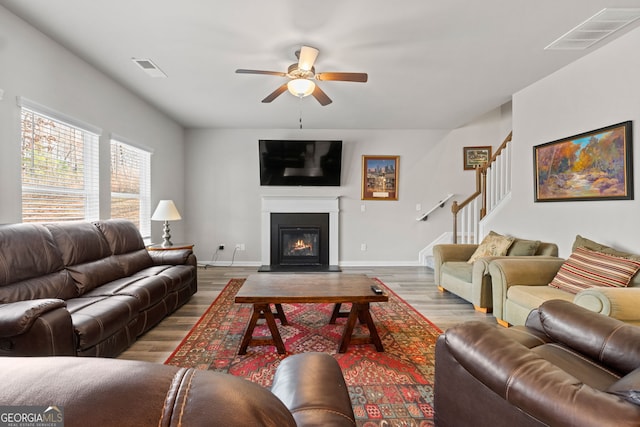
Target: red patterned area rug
390, 388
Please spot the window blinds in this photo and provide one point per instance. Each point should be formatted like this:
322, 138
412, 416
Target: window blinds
59, 169
130, 185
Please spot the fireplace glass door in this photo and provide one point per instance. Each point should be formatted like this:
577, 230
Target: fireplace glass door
300, 245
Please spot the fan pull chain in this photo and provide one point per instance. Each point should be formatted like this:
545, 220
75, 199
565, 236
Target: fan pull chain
300, 113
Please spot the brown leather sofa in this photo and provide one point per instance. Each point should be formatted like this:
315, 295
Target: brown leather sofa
568, 366
308, 390
85, 289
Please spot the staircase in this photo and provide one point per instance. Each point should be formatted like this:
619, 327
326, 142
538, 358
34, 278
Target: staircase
493, 184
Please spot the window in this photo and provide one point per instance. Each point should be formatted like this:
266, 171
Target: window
59, 167
130, 185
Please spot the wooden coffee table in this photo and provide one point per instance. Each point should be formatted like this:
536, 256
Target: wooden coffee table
263, 289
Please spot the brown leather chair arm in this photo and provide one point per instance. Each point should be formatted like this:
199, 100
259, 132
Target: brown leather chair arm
311, 385
17, 318
36, 328
103, 391
611, 342
531, 383
177, 257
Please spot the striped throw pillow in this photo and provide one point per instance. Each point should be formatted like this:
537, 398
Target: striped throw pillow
586, 269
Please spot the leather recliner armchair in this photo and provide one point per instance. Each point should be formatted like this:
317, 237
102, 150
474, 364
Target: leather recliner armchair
308, 390
568, 366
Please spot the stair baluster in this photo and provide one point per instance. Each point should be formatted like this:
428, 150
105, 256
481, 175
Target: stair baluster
493, 184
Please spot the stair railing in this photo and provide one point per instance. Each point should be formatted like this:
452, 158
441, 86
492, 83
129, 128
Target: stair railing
440, 204
493, 183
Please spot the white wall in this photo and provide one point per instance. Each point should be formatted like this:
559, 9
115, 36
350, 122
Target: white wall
35, 67
224, 196
601, 89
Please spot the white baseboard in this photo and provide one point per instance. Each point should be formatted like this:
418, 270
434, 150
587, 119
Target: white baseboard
379, 264
227, 263
205, 264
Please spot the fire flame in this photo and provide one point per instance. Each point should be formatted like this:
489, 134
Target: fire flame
301, 244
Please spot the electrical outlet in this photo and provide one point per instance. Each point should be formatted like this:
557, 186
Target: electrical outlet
221, 247
240, 246
363, 246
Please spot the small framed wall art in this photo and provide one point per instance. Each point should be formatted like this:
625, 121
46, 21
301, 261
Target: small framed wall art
380, 177
475, 157
595, 165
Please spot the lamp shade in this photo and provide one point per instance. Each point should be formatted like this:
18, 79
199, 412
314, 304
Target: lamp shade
166, 211
301, 87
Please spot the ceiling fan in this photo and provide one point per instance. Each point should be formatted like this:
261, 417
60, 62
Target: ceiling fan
302, 75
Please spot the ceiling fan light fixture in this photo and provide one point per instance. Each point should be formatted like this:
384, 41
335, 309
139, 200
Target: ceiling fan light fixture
307, 58
301, 87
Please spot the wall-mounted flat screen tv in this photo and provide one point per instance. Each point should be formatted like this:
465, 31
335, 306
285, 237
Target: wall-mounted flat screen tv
300, 163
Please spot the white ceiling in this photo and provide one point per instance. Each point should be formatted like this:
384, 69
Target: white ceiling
431, 63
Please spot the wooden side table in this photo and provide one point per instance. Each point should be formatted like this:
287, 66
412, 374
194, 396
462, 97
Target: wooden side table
174, 247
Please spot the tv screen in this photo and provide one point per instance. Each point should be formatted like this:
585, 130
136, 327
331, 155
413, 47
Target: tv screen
300, 163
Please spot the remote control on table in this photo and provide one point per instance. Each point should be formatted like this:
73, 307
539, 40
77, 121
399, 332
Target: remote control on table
376, 289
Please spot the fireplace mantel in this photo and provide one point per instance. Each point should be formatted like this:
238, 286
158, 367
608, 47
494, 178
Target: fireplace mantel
300, 204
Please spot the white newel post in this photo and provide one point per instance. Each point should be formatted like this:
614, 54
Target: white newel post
300, 204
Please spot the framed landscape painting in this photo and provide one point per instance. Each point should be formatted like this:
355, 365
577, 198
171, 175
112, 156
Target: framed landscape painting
594, 165
475, 157
380, 177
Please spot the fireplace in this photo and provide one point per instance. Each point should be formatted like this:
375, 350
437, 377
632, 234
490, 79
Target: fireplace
299, 246
299, 233
299, 240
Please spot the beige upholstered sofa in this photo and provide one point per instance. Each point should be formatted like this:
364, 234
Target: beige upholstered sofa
471, 281
520, 286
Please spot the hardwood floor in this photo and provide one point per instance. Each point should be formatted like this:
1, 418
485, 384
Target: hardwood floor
414, 284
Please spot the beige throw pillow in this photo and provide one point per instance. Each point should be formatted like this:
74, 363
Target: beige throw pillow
583, 242
493, 244
523, 247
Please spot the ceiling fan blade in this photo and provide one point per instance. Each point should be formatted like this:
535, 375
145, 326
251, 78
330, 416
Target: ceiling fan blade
307, 57
276, 93
344, 77
322, 97
271, 73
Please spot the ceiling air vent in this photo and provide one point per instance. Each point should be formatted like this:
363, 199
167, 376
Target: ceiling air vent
149, 67
596, 28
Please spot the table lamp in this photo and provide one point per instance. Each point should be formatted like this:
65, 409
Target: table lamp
166, 211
